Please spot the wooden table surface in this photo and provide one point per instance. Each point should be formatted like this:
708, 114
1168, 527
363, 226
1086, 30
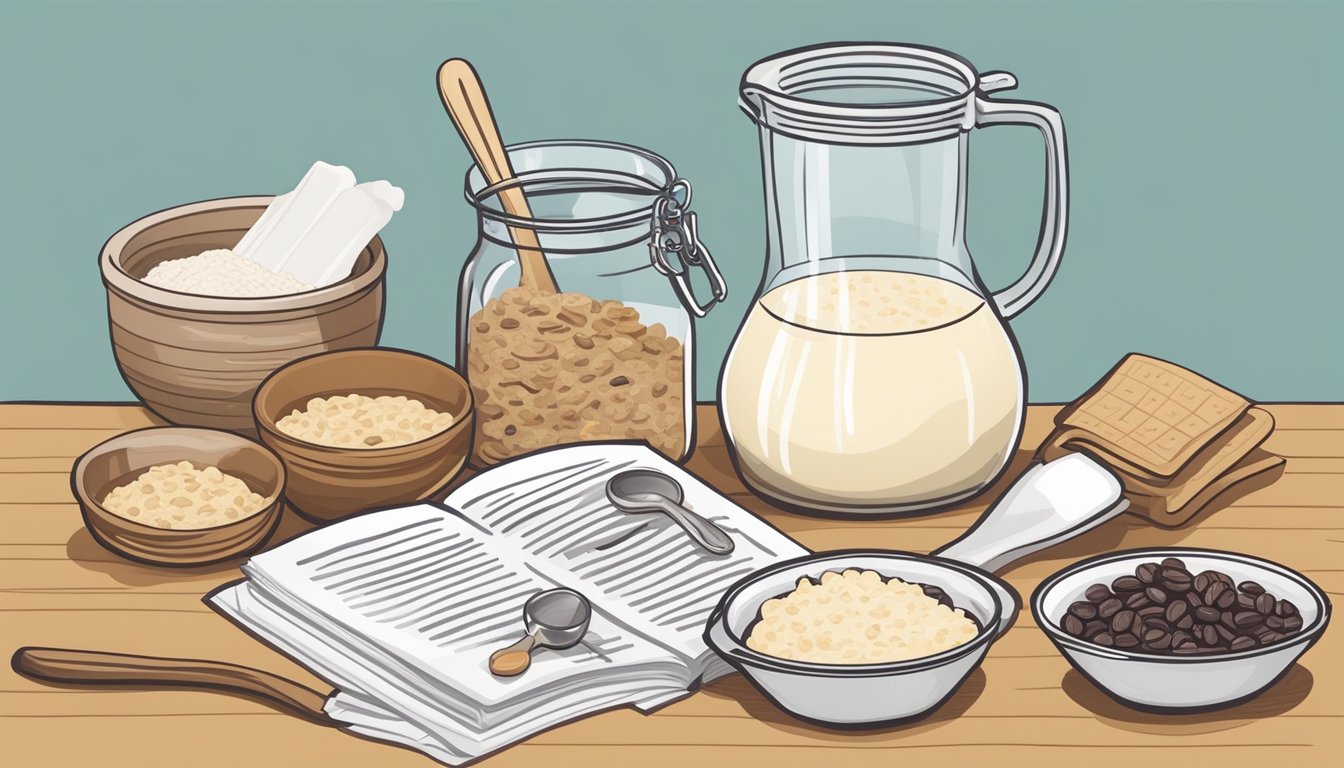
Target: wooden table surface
1023, 707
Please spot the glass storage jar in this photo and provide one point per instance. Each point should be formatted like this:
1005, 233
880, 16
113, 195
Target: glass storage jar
610, 355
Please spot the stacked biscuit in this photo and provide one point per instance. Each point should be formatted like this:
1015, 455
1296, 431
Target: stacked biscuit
1174, 438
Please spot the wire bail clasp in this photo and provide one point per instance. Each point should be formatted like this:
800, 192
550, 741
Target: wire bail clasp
674, 234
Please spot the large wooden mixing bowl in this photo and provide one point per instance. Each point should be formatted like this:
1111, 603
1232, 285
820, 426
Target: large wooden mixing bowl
197, 360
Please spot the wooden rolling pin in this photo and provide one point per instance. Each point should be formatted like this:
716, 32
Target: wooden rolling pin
464, 98
60, 665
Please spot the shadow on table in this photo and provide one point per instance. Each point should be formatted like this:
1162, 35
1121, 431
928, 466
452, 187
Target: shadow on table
1280, 698
758, 707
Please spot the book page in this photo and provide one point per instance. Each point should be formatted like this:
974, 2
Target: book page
643, 567
430, 596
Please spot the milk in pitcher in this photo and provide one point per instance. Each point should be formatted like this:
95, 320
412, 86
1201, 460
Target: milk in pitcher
852, 391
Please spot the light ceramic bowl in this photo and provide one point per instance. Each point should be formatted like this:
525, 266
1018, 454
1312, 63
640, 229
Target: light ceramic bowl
123, 458
327, 482
197, 360
861, 695
1185, 683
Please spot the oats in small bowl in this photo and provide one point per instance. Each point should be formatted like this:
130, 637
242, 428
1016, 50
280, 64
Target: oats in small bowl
179, 495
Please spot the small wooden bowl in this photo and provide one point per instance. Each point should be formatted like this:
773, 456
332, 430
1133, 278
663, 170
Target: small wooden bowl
120, 460
197, 360
327, 483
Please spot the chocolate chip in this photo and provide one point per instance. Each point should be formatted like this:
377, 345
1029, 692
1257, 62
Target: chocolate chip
1109, 608
1219, 595
1163, 609
1147, 573
620, 381
1207, 614
1073, 625
1126, 640
1126, 584
1209, 635
1265, 604
1175, 611
1122, 621
1083, 610
1247, 619
1175, 579
1097, 592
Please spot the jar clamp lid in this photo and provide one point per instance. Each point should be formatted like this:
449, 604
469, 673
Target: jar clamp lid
673, 241
674, 234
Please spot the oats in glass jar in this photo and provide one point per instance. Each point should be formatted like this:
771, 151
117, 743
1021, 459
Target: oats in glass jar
555, 368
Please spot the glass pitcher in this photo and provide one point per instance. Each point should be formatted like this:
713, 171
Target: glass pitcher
874, 372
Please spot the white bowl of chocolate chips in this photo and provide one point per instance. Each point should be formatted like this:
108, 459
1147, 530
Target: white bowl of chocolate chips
1180, 629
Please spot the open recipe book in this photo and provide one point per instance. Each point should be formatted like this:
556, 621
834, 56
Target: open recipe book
400, 609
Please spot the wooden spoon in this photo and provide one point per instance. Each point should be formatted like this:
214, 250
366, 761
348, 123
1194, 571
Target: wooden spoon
60, 665
464, 98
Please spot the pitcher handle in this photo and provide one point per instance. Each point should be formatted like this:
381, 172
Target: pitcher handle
1055, 216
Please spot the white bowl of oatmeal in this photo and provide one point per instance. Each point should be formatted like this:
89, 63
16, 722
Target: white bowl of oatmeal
898, 664
179, 495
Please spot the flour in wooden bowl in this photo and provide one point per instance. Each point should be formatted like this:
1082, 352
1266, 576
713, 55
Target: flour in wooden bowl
221, 272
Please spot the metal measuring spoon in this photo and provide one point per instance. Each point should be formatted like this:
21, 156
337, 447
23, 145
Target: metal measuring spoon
555, 619
647, 490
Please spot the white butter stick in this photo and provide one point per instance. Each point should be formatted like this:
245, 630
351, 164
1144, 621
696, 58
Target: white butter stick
288, 219
327, 251
385, 191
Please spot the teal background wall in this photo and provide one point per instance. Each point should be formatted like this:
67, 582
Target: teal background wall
1205, 142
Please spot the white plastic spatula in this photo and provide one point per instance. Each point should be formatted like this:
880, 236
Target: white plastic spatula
1048, 504
328, 250
316, 232
289, 216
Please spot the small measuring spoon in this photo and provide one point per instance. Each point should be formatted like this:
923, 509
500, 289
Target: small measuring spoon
647, 490
555, 619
